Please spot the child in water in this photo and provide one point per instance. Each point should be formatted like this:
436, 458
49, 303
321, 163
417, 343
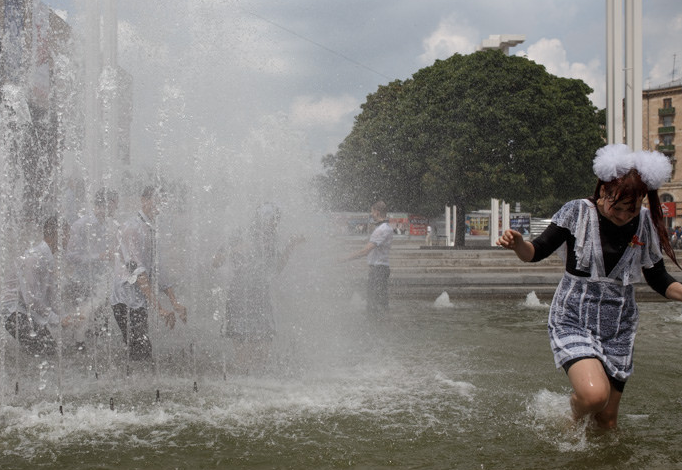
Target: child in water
610, 241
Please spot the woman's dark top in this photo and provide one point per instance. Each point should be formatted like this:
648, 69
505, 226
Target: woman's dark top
614, 240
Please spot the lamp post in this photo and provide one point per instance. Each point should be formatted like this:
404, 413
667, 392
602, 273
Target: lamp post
624, 38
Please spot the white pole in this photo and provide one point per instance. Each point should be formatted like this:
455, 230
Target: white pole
494, 220
505, 216
92, 71
633, 66
614, 71
454, 225
110, 52
447, 225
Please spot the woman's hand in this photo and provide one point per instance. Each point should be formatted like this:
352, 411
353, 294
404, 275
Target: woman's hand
169, 317
181, 310
513, 240
510, 239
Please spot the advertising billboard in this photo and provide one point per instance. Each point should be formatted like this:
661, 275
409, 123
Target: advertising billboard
520, 223
477, 224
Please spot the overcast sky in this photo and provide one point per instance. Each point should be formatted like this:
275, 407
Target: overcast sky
231, 66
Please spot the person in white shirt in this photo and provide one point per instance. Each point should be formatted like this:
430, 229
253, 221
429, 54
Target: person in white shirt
135, 271
30, 298
90, 254
377, 251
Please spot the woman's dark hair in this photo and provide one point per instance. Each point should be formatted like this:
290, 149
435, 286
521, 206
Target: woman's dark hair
630, 187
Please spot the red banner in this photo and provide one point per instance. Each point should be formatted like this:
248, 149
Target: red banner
418, 225
669, 209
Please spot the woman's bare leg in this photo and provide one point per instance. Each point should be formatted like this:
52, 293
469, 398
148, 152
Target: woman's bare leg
593, 393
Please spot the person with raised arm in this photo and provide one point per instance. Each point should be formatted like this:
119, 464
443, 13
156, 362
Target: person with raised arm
610, 240
255, 257
377, 251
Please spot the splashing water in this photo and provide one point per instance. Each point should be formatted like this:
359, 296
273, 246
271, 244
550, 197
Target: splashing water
552, 421
532, 301
443, 301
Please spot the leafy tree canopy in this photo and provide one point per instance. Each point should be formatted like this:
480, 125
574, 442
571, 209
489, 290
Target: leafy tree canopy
464, 130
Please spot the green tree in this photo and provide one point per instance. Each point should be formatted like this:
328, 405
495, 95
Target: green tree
464, 130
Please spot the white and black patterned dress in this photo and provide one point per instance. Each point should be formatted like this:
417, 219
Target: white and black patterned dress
593, 312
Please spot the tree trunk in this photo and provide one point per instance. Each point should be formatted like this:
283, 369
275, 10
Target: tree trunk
460, 224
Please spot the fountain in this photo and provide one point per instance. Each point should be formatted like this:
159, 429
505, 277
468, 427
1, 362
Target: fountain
443, 301
425, 389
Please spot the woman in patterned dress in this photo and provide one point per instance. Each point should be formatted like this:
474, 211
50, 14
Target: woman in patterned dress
610, 241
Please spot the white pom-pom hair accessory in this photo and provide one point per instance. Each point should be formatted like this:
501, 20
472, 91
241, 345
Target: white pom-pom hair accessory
614, 161
654, 168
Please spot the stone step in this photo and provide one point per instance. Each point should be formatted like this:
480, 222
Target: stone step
544, 292
474, 263
471, 278
447, 270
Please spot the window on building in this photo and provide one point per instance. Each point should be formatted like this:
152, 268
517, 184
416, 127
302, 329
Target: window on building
668, 139
667, 103
667, 121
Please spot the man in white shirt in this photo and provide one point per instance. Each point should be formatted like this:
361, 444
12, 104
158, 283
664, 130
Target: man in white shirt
377, 251
135, 273
30, 298
90, 254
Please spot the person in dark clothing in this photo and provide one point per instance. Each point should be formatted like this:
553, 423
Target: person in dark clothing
136, 271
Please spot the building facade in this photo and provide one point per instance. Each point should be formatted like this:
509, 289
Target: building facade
41, 93
662, 131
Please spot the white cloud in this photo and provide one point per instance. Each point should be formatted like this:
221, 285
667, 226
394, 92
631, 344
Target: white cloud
664, 51
552, 54
241, 40
308, 111
450, 37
